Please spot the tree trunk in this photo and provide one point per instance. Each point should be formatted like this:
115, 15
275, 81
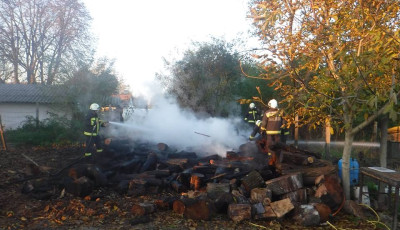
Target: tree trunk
296, 131
15, 72
348, 141
383, 141
328, 139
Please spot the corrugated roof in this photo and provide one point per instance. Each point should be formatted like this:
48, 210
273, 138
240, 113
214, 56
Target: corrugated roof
30, 93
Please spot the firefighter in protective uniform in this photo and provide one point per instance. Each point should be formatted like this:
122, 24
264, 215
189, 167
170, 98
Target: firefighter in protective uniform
256, 130
252, 115
92, 127
271, 125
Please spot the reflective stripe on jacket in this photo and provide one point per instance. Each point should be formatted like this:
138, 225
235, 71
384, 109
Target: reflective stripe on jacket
92, 124
272, 122
252, 116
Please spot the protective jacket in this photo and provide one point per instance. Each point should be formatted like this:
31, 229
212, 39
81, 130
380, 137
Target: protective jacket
252, 116
272, 122
92, 124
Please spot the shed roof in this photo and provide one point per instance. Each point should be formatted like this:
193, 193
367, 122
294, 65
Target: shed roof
30, 93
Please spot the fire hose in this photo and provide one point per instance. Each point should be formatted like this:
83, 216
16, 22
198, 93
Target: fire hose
202, 134
74, 162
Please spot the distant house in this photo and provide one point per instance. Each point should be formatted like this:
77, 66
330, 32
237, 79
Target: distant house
17, 101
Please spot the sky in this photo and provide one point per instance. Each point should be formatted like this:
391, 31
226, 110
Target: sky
138, 34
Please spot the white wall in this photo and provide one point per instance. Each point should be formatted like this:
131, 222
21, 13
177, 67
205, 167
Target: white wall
13, 115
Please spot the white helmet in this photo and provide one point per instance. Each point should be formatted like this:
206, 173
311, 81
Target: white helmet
94, 107
273, 104
258, 122
252, 105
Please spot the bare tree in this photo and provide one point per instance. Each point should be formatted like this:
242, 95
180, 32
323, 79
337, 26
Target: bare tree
9, 37
44, 38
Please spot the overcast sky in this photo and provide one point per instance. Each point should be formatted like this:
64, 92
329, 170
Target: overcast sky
137, 34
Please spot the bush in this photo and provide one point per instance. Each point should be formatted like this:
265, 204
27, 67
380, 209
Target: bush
55, 130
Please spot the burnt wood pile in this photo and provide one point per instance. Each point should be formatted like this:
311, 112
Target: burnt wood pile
240, 185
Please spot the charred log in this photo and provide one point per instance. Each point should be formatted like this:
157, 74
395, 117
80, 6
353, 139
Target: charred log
296, 158
215, 190
150, 163
196, 181
82, 186
222, 202
143, 209
196, 209
252, 180
182, 154
239, 212
285, 184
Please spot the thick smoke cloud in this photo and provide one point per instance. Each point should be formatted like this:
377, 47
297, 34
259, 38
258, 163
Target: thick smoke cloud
167, 123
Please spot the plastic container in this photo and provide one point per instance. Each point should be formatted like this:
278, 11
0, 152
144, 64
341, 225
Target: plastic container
354, 170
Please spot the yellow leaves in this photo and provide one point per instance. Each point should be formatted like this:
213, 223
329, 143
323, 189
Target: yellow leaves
331, 130
244, 101
58, 221
258, 90
10, 213
366, 116
278, 85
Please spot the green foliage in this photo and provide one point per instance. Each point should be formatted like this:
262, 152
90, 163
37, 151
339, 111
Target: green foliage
206, 79
372, 187
54, 130
252, 88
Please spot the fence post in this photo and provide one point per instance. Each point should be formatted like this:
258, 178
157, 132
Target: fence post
296, 131
3, 141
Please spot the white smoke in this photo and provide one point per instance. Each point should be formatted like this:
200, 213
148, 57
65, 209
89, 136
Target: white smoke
165, 122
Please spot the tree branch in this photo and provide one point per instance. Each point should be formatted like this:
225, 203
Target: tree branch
373, 117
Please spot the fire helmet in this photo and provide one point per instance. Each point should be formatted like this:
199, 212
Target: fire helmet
94, 107
273, 104
252, 105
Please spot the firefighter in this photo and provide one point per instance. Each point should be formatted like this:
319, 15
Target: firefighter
256, 130
252, 115
92, 127
271, 124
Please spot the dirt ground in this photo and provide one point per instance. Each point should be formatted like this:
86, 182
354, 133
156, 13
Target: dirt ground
104, 208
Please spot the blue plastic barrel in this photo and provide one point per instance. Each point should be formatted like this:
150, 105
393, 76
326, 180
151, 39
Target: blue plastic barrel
354, 170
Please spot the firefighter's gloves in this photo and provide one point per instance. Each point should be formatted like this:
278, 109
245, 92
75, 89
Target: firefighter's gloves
106, 123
